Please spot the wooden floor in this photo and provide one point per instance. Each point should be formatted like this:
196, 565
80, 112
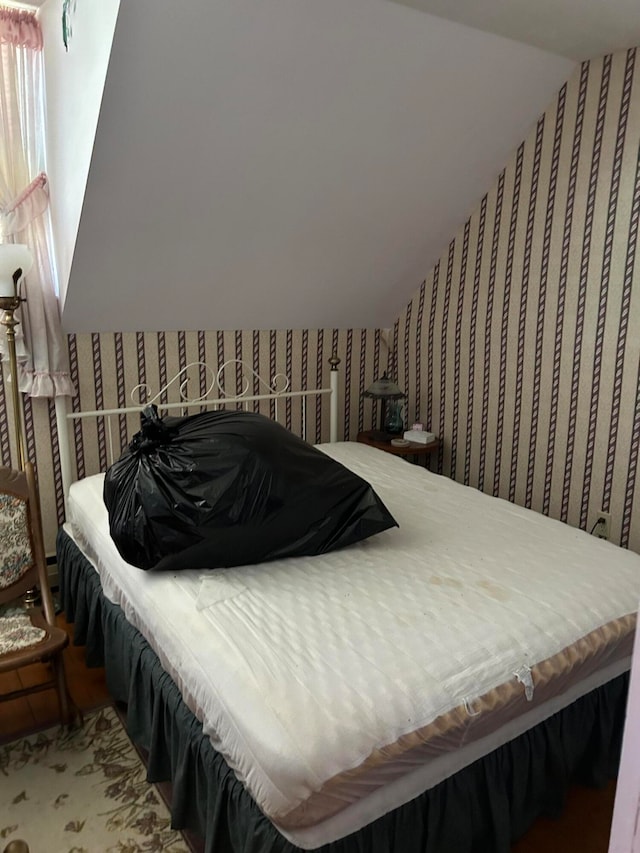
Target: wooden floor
584, 827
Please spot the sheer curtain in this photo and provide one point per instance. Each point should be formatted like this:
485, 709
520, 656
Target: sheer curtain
24, 205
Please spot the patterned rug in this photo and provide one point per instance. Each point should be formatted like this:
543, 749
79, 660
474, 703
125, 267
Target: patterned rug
82, 791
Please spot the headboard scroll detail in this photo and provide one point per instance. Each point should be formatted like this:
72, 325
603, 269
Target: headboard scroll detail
272, 387
214, 395
140, 394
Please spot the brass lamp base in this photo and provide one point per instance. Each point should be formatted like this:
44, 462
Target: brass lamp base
380, 435
8, 306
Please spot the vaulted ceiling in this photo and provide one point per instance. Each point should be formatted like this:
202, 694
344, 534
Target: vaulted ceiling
289, 163
579, 29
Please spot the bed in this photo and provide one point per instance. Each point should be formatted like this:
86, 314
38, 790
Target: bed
433, 688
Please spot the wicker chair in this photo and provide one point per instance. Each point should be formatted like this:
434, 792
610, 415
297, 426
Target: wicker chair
28, 636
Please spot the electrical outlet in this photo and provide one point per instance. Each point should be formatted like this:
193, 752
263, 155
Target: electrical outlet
602, 527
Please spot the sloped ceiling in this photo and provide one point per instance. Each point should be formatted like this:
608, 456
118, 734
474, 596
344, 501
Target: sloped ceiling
580, 29
289, 163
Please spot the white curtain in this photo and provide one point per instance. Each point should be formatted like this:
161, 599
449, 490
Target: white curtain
24, 205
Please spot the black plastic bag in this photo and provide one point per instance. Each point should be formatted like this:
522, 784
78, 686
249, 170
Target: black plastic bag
229, 488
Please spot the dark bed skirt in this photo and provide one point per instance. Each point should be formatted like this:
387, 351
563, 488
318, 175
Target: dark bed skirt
482, 809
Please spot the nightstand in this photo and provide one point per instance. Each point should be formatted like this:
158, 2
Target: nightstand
414, 451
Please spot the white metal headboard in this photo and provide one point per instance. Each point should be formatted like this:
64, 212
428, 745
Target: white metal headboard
278, 389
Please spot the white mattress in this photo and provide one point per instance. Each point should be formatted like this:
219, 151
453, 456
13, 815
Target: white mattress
299, 669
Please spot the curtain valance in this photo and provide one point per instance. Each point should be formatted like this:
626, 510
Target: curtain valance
20, 28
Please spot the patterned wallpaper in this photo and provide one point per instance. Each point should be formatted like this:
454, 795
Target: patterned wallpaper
521, 349
105, 367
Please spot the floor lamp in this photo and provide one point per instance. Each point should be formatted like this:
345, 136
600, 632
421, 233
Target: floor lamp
15, 261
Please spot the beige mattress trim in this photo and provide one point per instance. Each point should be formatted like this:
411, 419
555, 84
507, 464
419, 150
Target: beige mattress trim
473, 719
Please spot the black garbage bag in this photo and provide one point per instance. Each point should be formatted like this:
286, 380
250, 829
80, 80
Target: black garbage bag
228, 488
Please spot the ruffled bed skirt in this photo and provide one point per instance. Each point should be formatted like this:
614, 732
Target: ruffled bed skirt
482, 809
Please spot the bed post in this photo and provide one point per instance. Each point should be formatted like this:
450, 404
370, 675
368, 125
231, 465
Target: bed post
64, 449
334, 361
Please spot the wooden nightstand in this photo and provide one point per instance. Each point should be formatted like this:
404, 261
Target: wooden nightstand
414, 451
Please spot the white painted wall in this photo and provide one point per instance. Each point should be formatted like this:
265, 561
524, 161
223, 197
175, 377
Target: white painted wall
289, 163
74, 82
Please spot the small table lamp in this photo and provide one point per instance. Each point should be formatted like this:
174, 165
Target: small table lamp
15, 261
383, 389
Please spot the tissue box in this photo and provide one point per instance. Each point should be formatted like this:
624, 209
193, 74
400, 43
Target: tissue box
419, 436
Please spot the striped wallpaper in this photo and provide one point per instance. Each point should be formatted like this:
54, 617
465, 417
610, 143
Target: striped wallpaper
105, 367
521, 349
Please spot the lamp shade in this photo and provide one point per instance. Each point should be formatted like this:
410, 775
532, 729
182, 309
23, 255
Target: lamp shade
384, 389
13, 257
